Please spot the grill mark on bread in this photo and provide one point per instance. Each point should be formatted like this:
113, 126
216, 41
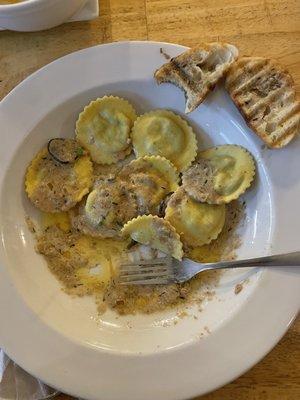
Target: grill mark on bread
261, 104
234, 78
185, 78
246, 85
265, 94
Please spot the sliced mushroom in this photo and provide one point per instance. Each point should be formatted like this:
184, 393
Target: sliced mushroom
65, 151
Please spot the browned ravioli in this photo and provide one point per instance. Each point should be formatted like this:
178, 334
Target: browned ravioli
59, 176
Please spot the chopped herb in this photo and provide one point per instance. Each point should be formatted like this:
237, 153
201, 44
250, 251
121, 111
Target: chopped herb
102, 221
79, 152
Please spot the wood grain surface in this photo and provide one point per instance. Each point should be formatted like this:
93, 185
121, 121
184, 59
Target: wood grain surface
267, 28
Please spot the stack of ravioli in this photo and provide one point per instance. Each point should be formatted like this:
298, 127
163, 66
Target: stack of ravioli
170, 197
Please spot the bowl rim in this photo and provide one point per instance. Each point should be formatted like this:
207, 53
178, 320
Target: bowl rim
23, 5
20, 5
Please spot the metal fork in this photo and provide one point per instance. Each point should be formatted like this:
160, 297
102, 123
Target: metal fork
165, 270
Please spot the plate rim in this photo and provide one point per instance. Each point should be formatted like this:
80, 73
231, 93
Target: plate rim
269, 276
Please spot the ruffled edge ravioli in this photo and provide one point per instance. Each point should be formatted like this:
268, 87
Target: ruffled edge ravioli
229, 185
182, 158
31, 177
152, 179
105, 149
197, 223
116, 206
153, 164
155, 232
83, 168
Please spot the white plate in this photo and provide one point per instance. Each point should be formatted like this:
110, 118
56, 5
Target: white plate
62, 340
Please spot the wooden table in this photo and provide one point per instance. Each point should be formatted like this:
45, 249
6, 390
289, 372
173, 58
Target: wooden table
268, 28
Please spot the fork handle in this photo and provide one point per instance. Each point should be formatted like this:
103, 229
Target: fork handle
277, 260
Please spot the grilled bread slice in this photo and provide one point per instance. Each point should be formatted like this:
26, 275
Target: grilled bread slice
264, 93
196, 71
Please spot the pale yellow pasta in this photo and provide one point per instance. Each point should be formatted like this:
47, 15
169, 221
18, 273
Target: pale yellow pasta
56, 187
197, 223
221, 174
152, 179
155, 232
103, 128
105, 210
165, 134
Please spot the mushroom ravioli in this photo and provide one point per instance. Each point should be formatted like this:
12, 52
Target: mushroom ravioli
166, 134
220, 175
152, 179
55, 185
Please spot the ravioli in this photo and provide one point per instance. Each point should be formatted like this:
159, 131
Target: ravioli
152, 179
155, 232
165, 134
55, 187
221, 175
197, 223
105, 210
104, 127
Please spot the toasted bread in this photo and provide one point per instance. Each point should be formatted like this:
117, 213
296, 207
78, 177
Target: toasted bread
196, 71
265, 95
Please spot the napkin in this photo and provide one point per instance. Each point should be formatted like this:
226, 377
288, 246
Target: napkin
17, 384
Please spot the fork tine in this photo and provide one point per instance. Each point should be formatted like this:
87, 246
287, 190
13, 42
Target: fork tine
144, 266
147, 272
145, 276
154, 281
162, 260
136, 269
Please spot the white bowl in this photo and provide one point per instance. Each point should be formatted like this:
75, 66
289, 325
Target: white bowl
62, 340
36, 15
